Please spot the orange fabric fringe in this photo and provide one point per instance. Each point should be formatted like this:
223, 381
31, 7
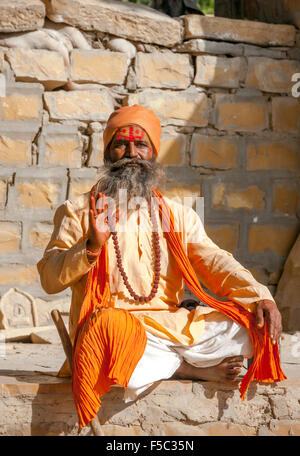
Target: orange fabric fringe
110, 342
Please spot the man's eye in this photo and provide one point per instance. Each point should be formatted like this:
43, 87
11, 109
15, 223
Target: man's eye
141, 144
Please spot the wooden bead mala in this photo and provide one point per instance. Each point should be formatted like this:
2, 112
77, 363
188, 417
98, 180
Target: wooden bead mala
156, 246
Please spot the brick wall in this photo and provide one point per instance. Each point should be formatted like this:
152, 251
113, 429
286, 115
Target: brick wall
222, 89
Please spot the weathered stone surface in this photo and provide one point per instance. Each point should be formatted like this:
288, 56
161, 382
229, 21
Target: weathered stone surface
127, 20
17, 309
290, 346
21, 15
10, 236
258, 51
80, 105
59, 145
121, 45
163, 70
285, 197
15, 148
37, 194
186, 107
287, 294
240, 113
21, 275
35, 65
275, 238
197, 26
199, 46
22, 102
214, 152
40, 234
263, 153
172, 149
213, 71
225, 236
271, 75
227, 196
81, 181
96, 152
45, 335
98, 66
286, 114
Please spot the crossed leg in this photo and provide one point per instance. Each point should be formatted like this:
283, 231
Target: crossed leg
226, 370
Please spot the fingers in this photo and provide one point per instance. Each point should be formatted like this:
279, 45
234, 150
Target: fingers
259, 316
275, 327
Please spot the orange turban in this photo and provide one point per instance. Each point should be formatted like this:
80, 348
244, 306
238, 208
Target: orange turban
137, 115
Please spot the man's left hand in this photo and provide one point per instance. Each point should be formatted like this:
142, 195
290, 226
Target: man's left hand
268, 308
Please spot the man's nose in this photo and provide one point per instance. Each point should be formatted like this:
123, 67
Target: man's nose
132, 149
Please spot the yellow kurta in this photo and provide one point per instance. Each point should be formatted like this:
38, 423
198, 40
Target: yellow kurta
65, 264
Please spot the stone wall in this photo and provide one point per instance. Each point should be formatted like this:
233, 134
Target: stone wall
222, 89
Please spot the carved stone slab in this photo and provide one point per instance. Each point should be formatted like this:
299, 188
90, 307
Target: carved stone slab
17, 310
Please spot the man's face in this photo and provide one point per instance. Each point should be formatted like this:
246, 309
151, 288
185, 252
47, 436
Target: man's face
130, 142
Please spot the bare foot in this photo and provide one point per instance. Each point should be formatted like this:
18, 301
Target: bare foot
227, 371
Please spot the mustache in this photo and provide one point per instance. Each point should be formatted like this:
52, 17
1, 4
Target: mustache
147, 165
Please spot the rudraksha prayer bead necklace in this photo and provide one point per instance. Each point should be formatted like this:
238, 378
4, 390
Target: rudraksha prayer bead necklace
156, 267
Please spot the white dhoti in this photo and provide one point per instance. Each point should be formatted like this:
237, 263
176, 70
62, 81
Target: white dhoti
221, 338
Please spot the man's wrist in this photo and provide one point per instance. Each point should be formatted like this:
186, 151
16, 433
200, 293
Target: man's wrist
93, 248
92, 252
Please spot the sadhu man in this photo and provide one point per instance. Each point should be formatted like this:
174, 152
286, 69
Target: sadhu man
127, 324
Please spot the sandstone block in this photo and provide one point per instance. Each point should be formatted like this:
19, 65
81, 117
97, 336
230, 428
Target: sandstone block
127, 20
98, 66
274, 238
214, 152
237, 30
80, 105
35, 65
285, 427
240, 113
21, 103
15, 148
96, 150
272, 154
81, 181
37, 192
21, 15
285, 197
40, 234
271, 75
10, 236
172, 149
199, 46
59, 145
286, 114
272, 53
225, 236
228, 196
18, 275
186, 107
214, 71
163, 70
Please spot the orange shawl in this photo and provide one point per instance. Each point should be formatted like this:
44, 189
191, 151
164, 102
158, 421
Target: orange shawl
110, 342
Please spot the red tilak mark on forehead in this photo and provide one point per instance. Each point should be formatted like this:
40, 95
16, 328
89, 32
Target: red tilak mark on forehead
131, 133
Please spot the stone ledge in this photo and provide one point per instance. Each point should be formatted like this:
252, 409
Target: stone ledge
35, 404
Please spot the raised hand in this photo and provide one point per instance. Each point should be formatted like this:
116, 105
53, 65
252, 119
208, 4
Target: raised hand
99, 231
